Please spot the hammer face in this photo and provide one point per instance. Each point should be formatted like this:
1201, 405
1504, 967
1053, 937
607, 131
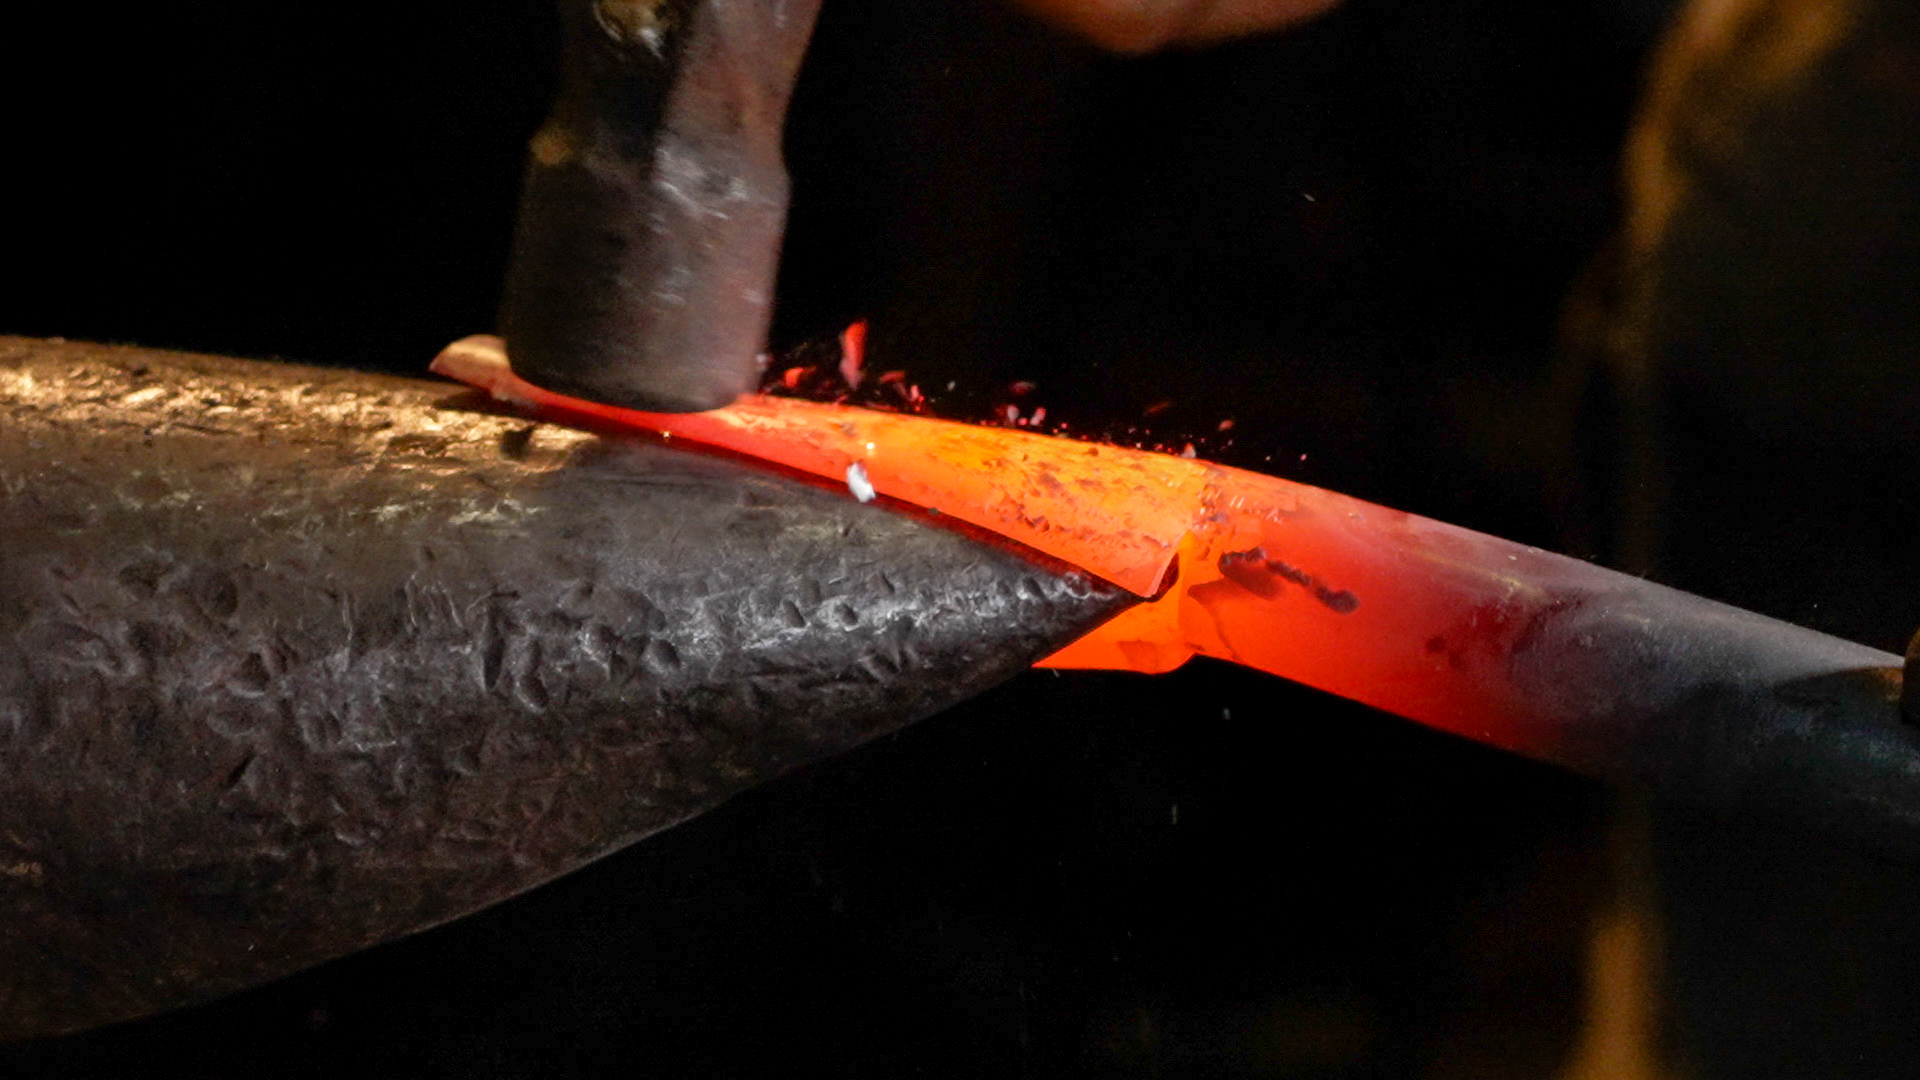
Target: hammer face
655, 196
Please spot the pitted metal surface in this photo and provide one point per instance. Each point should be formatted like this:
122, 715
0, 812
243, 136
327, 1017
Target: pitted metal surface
294, 661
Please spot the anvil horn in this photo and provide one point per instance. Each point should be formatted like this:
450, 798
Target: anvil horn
295, 661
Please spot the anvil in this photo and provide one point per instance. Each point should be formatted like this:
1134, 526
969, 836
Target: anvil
294, 661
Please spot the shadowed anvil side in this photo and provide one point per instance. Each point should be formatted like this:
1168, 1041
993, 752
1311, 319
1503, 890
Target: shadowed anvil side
295, 661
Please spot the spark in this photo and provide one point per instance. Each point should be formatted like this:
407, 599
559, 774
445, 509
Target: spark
853, 352
858, 483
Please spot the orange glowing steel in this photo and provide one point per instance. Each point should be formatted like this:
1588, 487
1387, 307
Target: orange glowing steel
1079, 502
1403, 613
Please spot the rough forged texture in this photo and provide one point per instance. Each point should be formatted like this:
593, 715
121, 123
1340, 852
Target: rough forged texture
295, 661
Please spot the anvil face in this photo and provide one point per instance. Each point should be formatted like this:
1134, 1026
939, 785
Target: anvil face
296, 661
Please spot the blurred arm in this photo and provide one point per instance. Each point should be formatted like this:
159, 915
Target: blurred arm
1142, 26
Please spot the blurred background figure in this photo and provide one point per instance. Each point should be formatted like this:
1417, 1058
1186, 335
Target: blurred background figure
1755, 328
1141, 26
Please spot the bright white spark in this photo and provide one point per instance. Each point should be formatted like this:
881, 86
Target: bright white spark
858, 483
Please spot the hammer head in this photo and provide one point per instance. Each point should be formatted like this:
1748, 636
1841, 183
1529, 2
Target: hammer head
649, 231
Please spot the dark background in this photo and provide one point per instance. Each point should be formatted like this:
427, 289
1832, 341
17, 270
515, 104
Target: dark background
1333, 237
1353, 240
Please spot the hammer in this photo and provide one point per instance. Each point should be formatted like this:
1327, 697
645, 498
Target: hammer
655, 195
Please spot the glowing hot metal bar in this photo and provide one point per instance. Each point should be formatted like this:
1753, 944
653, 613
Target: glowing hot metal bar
1510, 645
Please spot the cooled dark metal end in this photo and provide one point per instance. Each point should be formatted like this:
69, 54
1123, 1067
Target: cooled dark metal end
655, 199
